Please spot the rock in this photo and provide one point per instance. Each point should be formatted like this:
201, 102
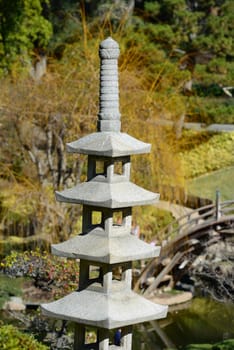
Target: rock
14, 304
172, 299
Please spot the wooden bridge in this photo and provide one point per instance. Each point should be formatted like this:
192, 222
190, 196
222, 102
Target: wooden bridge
183, 240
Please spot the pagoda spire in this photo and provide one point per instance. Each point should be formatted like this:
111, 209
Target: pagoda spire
109, 115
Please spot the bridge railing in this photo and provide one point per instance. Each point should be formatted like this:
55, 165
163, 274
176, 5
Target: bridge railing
194, 218
227, 207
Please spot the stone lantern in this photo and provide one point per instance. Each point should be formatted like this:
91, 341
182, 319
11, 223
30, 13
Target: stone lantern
104, 302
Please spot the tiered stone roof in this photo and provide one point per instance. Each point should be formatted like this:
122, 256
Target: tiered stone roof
104, 302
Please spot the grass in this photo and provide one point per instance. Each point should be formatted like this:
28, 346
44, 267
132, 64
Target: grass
9, 287
206, 185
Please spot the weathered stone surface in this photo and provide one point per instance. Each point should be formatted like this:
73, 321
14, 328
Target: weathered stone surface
101, 301
14, 304
110, 144
98, 192
117, 309
109, 115
97, 246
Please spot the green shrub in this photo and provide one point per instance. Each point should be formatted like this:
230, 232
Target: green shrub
50, 273
12, 339
211, 110
224, 345
213, 154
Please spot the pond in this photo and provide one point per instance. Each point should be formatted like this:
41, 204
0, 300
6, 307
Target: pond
203, 321
205, 186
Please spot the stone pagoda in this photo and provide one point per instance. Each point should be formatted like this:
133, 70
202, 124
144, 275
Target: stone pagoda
104, 302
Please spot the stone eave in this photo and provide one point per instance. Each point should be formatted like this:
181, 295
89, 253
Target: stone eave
98, 246
108, 195
108, 144
117, 309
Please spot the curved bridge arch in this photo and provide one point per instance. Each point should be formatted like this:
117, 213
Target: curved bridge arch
186, 236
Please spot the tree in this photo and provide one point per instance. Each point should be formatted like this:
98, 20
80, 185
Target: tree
23, 29
193, 27
201, 25
217, 28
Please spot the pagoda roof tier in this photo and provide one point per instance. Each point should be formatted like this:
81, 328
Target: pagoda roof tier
108, 144
99, 192
96, 245
119, 308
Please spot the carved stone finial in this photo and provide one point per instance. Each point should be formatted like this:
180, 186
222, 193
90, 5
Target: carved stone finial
109, 115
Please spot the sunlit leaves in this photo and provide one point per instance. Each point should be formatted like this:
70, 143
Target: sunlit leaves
12, 339
22, 29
